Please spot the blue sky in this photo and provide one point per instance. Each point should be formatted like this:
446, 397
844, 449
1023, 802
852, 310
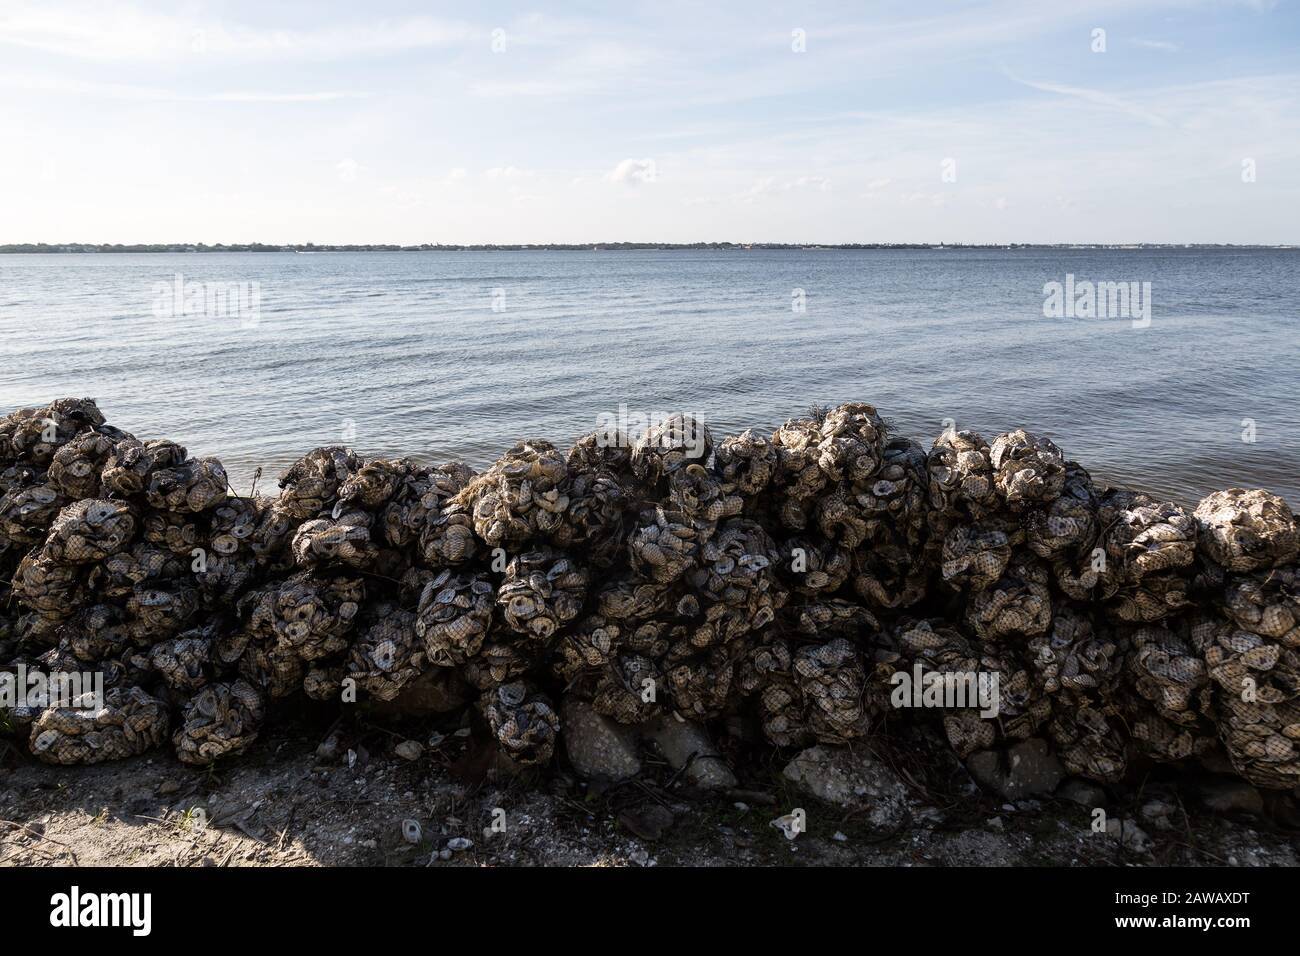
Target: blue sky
494, 122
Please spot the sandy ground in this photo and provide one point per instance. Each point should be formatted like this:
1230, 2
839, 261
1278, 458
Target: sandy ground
285, 804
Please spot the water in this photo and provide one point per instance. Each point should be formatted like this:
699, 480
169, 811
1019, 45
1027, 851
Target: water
406, 347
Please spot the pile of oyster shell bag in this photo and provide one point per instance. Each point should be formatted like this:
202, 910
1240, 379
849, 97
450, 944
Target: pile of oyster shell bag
780, 580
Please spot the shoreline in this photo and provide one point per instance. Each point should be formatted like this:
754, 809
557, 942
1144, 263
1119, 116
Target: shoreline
311, 248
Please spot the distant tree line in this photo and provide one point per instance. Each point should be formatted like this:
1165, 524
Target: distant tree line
38, 247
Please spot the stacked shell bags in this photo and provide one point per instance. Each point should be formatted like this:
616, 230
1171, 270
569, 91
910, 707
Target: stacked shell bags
996, 520
1251, 641
790, 576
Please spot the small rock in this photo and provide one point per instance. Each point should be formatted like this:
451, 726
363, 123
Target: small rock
444, 854
1226, 795
742, 807
411, 831
370, 844
995, 823
409, 750
839, 837
1030, 768
459, 844
598, 748
328, 750
1083, 792
1159, 813
853, 779
168, 787
1129, 834
687, 744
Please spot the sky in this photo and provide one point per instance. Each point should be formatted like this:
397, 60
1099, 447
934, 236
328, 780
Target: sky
404, 122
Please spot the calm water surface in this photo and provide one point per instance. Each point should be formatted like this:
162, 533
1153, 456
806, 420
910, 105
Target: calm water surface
408, 350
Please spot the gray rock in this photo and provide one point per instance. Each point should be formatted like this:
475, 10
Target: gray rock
409, 749
1030, 769
687, 744
854, 779
1159, 813
1226, 795
1129, 834
1083, 792
598, 747
329, 748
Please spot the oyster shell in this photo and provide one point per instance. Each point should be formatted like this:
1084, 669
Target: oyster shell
542, 591
90, 530
524, 722
34, 435
454, 616
185, 662
26, 514
1028, 469
129, 723
665, 545
52, 590
132, 462
310, 486
747, 463
851, 445
961, 476
388, 653
192, 486
448, 540
519, 497
418, 499
343, 539
221, 720
1247, 530
667, 446
76, 467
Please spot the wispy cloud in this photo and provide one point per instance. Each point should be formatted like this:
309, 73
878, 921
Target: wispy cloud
1093, 97
1164, 46
230, 119
121, 91
117, 31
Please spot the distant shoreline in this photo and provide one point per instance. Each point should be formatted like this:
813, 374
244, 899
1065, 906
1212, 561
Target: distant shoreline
88, 247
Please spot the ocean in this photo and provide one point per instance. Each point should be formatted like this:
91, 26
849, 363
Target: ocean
441, 355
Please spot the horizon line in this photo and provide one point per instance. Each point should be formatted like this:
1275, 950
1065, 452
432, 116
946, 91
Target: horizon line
18, 248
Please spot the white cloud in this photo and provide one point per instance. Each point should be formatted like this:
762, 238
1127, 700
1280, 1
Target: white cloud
1165, 46
120, 31
633, 171
126, 91
506, 172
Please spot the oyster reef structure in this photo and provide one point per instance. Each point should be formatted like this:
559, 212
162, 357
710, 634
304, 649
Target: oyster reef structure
782, 579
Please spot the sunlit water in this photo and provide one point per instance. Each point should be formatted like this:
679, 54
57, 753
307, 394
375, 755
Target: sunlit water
407, 350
